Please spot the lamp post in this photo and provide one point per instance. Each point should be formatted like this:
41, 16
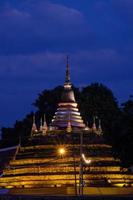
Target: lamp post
81, 165
74, 165
86, 161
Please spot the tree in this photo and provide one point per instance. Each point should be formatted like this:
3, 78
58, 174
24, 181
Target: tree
47, 102
98, 100
123, 134
20, 131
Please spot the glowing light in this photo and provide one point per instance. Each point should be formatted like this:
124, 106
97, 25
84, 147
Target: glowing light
85, 160
61, 151
109, 181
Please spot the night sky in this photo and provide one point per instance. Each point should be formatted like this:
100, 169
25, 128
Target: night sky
36, 36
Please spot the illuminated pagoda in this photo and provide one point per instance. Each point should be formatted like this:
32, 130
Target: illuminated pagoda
52, 157
67, 111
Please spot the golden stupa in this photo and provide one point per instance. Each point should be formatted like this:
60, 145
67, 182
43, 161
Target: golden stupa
66, 158
67, 110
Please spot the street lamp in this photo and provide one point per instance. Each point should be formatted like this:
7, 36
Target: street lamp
61, 151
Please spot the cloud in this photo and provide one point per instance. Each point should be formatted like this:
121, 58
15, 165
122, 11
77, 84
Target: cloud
28, 65
22, 77
58, 12
100, 56
50, 65
39, 25
10, 13
127, 3
103, 65
124, 8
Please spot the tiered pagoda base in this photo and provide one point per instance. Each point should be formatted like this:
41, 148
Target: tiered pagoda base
38, 164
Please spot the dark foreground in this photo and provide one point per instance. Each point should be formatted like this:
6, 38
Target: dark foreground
67, 193
24, 197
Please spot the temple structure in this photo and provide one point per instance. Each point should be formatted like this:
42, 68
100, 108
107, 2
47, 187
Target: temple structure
57, 158
67, 111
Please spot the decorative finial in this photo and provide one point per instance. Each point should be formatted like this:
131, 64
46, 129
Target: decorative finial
94, 128
87, 127
100, 128
67, 70
34, 128
19, 144
44, 127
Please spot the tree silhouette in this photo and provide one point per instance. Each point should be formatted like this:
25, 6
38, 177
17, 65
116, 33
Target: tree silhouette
123, 134
97, 100
93, 100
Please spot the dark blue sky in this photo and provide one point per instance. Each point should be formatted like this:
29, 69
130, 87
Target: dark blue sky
36, 35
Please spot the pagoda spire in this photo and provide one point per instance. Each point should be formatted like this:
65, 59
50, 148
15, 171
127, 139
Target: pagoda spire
66, 106
67, 79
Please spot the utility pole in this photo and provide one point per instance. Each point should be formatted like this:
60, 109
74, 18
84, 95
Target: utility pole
75, 178
74, 165
81, 165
